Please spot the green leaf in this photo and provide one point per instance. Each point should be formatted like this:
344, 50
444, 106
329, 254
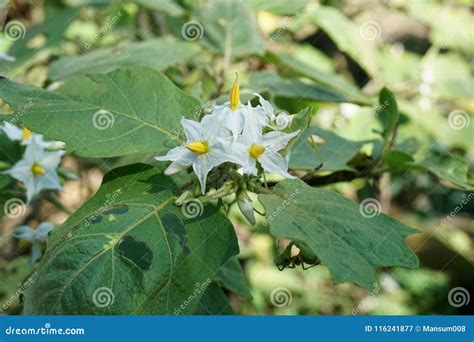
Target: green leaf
293, 88
131, 243
334, 150
51, 31
281, 7
333, 227
13, 275
387, 112
157, 54
135, 110
398, 160
444, 166
347, 36
326, 79
214, 302
230, 26
166, 6
233, 278
449, 167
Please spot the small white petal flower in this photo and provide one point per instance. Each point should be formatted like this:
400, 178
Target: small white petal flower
203, 150
37, 169
229, 116
25, 136
35, 236
253, 147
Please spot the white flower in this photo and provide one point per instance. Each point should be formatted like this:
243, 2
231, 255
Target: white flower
254, 146
35, 236
24, 135
37, 170
231, 115
233, 133
203, 150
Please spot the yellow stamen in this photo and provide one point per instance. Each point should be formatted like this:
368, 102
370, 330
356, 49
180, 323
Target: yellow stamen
235, 95
26, 134
256, 150
37, 169
199, 147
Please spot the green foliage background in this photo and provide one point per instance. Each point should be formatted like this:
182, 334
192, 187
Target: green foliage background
384, 80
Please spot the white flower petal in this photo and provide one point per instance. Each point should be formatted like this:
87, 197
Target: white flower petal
24, 233
235, 121
274, 163
42, 231
214, 125
276, 140
51, 160
50, 181
36, 252
266, 107
201, 167
20, 171
177, 153
13, 132
192, 129
249, 166
175, 167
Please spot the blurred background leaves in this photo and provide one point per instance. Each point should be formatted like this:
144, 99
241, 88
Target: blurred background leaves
335, 55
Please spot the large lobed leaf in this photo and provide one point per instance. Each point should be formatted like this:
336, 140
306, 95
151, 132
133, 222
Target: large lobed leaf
347, 242
131, 244
134, 110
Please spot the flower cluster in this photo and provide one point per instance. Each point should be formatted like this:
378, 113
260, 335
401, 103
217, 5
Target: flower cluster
37, 169
250, 137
